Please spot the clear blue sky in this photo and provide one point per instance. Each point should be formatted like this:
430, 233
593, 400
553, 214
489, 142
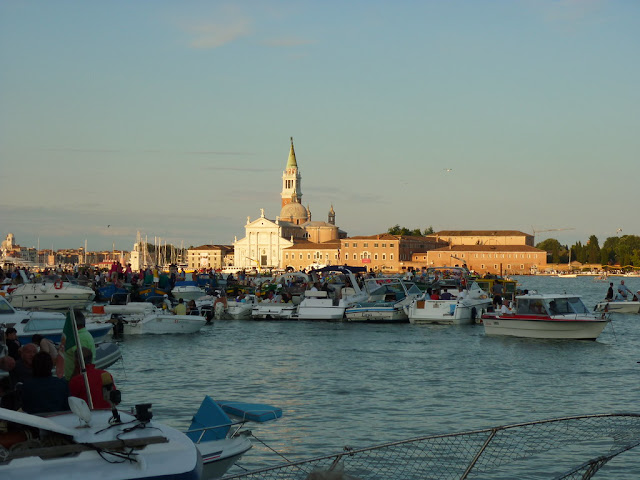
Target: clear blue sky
173, 118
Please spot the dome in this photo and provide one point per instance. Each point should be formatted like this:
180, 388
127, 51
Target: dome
293, 210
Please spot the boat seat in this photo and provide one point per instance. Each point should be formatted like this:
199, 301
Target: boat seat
209, 415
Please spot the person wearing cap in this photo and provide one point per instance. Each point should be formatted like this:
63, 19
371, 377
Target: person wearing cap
166, 303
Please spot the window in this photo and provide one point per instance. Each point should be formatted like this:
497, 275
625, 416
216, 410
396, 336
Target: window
509, 266
308, 258
391, 256
482, 266
355, 244
346, 257
375, 257
375, 245
384, 245
346, 244
365, 245
384, 256
494, 266
300, 256
522, 266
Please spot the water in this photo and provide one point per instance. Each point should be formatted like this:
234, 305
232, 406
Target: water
344, 384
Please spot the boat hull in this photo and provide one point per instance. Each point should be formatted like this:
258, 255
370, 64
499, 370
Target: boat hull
376, 315
274, 311
447, 312
220, 455
162, 324
545, 329
48, 297
618, 307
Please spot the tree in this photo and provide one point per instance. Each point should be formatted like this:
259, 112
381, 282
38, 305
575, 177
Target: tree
428, 231
553, 249
398, 230
593, 250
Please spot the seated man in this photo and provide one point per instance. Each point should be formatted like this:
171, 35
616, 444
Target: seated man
43, 392
435, 295
445, 295
100, 383
181, 308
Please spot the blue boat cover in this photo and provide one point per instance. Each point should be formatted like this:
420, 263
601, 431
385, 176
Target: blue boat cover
256, 412
186, 283
209, 415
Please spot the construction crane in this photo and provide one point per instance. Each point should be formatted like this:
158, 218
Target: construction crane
548, 230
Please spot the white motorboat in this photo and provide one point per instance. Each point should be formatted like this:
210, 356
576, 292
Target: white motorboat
187, 290
239, 309
620, 306
342, 291
560, 316
160, 322
220, 440
52, 293
454, 310
386, 302
93, 444
48, 324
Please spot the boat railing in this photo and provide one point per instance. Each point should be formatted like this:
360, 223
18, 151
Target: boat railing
561, 448
235, 426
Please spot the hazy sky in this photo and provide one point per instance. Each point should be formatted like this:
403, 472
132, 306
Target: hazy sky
173, 118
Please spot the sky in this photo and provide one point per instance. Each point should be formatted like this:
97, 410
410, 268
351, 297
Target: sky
173, 118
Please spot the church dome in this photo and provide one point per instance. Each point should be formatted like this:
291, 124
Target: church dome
294, 211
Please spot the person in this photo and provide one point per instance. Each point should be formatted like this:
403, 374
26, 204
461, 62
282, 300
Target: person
156, 276
623, 290
86, 340
45, 345
504, 309
609, 296
166, 303
445, 295
100, 383
12, 342
462, 294
497, 295
553, 308
24, 365
43, 392
636, 296
192, 309
435, 295
180, 308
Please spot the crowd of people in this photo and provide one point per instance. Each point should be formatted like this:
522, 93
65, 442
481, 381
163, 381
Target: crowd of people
39, 376
623, 294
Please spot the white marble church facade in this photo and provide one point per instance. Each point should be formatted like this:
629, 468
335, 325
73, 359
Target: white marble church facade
266, 240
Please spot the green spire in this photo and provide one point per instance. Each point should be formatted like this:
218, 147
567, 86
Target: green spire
291, 163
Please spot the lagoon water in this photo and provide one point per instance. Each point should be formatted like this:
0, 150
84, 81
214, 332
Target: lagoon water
342, 384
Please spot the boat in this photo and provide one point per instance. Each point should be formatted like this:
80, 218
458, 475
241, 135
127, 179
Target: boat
567, 275
105, 444
453, 311
219, 439
187, 290
108, 291
342, 291
138, 318
620, 306
386, 302
52, 293
48, 324
267, 310
560, 448
557, 316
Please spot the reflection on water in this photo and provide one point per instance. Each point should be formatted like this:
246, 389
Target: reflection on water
358, 385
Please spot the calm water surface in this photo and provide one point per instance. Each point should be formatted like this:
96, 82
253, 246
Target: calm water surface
343, 384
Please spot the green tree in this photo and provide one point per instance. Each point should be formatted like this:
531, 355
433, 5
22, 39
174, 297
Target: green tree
398, 230
553, 249
593, 250
429, 231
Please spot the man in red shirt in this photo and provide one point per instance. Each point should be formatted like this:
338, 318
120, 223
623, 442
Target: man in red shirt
100, 383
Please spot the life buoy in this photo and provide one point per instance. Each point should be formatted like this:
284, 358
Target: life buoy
57, 284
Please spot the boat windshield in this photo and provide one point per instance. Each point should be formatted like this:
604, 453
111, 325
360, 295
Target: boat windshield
5, 308
565, 306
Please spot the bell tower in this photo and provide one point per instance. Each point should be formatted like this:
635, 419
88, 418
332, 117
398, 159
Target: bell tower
291, 180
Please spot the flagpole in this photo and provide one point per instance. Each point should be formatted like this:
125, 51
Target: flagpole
83, 368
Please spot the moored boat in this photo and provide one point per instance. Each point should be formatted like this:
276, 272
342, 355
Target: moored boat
52, 293
96, 444
620, 306
386, 302
559, 316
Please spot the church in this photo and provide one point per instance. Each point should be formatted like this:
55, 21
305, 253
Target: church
292, 239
